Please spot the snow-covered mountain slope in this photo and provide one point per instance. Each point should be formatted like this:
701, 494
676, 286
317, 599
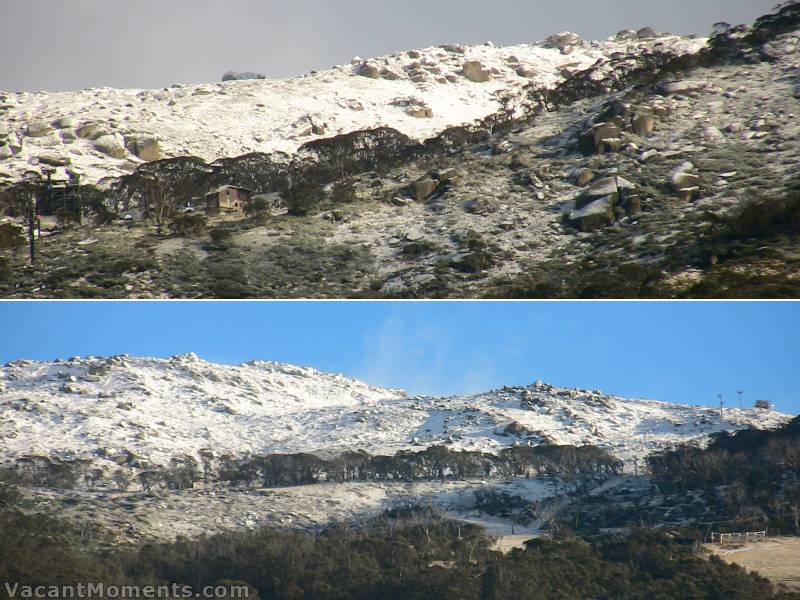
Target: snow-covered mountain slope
107, 132
156, 409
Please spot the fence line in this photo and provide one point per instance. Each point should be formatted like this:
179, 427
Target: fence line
739, 538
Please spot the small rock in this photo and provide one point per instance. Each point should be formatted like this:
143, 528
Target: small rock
111, 144
64, 123
688, 193
390, 75
450, 176
454, 48
38, 129
244, 75
564, 42
90, 131
584, 177
668, 88
420, 112
597, 214
713, 133
643, 123
684, 180
648, 33
625, 35
478, 206
606, 187
648, 154
147, 148
633, 206
369, 71
54, 159
423, 189
526, 72
601, 138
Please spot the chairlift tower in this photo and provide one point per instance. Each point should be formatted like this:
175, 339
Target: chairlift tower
740, 392
721, 404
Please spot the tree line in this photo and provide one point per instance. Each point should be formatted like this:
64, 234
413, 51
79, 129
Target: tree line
756, 469
403, 555
281, 470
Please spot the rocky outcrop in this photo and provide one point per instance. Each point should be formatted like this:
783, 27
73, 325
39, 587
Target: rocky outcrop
414, 107
604, 202
601, 139
423, 189
474, 71
526, 72
54, 159
236, 76
111, 144
91, 130
454, 48
64, 123
565, 42
146, 147
648, 33
38, 129
420, 112
390, 75
685, 183
620, 117
369, 70
643, 123
597, 214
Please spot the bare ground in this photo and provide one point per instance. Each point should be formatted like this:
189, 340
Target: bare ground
777, 559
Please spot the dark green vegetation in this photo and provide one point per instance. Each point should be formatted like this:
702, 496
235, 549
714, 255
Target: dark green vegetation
757, 471
408, 555
746, 481
278, 470
414, 553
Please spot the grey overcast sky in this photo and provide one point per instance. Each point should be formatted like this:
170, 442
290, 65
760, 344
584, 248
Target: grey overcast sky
74, 44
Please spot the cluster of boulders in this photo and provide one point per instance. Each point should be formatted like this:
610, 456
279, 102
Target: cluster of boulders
433, 183
244, 75
9, 142
424, 69
414, 107
565, 42
621, 119
645, 33
53, 136
311, 124
604, 202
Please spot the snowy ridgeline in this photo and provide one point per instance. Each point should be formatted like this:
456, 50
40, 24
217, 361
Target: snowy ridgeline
156, 409
107, 132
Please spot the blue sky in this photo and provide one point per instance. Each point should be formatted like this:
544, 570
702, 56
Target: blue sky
680, 352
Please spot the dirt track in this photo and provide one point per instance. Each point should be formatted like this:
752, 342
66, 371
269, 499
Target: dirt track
777, 559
